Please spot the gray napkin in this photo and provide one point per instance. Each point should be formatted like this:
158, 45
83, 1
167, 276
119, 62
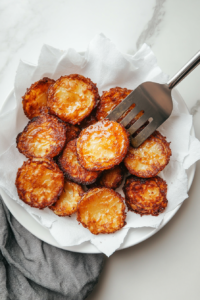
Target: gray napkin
33, 270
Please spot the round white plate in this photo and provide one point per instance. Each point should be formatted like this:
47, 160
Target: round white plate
133, 237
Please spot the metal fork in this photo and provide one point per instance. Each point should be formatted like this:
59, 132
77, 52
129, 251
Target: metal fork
156, 102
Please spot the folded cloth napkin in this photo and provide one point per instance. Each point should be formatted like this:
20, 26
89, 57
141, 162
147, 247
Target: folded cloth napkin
33, 270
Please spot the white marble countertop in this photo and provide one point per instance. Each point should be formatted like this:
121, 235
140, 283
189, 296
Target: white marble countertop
166, 266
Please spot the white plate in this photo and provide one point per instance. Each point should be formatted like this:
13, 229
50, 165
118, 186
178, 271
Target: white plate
133, 237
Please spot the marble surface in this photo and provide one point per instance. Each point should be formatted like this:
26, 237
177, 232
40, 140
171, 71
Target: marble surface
167, 266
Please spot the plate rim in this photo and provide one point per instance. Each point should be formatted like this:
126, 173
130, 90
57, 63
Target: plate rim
85, 247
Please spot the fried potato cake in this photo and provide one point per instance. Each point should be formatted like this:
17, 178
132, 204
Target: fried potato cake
72, 98
109, 100
39, 182
101, 210
35, 97
66, 205
149, 158
112, 178
68, 162
73, 132
102, 146
146, 196
44, 136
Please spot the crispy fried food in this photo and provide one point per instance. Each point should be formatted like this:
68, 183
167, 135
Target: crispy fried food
35, 97
112, 178
109, 100
102, 146
149, 158
68, 162
39, 182
66, 205
72, 98
44, 136
101, 210
72, 132
146, 196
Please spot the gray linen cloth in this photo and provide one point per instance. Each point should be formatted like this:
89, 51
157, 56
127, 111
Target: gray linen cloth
33, 270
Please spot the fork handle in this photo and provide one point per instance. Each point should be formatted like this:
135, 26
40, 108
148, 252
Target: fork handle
189, 67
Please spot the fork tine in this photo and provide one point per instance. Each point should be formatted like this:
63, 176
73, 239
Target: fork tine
138, 123
126, 120
144, 134
138, 96
121, 108
152, 98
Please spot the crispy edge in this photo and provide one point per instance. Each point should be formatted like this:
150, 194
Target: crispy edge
154, 169
141, 209
84, 199
67, 168
91, 86
112, 97
59, 146
72, 133
52, 166
104, 178
28, 98
89, 120
62, 212
100, 166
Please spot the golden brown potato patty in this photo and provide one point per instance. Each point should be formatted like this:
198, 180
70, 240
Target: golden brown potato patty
101, 210
102, 146
68, 162
146, 196
66, 205
44, 136
35, 98
149, 158
72, 98
39, 182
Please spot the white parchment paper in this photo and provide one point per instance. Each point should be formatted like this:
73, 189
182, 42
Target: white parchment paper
108, 67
